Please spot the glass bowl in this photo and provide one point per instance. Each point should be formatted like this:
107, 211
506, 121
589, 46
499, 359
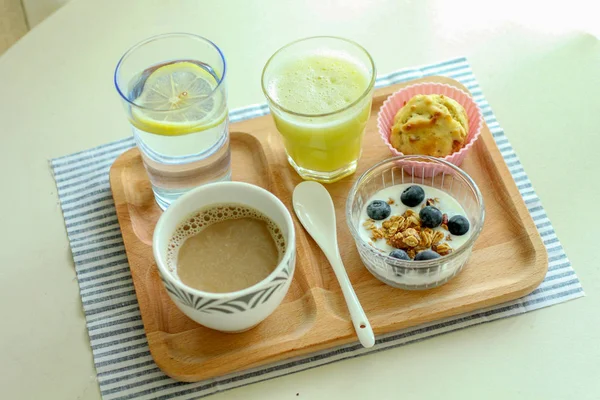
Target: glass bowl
415, 275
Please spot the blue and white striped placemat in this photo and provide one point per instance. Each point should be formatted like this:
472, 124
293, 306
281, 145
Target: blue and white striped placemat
125, 369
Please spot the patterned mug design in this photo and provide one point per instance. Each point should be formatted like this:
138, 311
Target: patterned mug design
239, 304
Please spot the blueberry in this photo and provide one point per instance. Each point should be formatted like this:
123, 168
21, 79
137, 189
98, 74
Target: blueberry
431, 217
400, 254
426, 255
458, 225
412, 196
378, 210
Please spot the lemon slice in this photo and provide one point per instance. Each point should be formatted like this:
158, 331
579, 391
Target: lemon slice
177, 99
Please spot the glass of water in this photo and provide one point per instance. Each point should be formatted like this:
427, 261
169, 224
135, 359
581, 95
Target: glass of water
173, 89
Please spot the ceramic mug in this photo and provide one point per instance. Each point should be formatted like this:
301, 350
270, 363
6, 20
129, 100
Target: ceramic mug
236, 311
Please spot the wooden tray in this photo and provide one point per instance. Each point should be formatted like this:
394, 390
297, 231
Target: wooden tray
509, 260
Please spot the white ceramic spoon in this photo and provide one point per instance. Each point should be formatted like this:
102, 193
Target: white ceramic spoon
314, 208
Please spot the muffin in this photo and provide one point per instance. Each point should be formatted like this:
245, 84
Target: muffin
433, 125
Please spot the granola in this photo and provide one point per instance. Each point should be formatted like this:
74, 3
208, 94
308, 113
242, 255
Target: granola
406, 232
442, 249
432, 201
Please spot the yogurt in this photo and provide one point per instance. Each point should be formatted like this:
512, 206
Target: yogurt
444, 202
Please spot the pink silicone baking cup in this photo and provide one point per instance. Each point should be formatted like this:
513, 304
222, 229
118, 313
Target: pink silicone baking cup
385, 119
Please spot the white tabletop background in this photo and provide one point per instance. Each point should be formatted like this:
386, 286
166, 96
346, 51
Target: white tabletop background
538, 66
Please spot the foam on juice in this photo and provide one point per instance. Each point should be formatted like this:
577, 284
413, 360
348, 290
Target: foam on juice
318, 84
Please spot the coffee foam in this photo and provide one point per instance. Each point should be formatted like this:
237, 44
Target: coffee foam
199, 220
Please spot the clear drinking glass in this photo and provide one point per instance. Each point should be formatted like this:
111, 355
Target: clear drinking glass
319, 91
173, 89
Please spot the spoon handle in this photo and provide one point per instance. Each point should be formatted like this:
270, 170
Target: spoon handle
359, 319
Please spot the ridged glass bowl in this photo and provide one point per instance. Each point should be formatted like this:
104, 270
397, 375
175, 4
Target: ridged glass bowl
415, 275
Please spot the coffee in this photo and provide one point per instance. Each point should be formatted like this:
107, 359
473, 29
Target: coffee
225, 248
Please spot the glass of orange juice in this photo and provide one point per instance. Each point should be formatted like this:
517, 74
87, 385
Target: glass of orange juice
319, 90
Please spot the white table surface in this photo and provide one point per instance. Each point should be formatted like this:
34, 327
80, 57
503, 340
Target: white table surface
539, 69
